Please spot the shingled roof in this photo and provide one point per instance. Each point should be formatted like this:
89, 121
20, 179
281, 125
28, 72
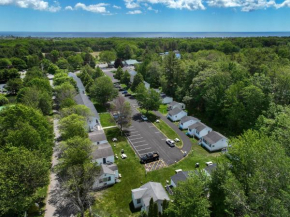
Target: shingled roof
213, 137
188, 118
102, 151
180, 176
198, 126
174, 111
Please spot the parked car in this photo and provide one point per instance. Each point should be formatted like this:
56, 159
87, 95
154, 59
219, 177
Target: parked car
170, 142
209, 163
125, 92
128, 94
144, 118
114, 140
123, 156
157, 121
176, 140
121, 89
149, 157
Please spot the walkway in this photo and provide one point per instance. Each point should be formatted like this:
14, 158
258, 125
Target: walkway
186, 141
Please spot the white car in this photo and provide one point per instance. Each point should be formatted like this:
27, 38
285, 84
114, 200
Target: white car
157, 121
209, 163
123, 156
176, 140
144, 118
114, 140
170, 142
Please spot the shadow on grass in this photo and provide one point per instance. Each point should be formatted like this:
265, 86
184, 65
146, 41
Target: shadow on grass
132, 208
100, 108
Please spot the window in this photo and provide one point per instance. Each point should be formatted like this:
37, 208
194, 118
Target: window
138, 201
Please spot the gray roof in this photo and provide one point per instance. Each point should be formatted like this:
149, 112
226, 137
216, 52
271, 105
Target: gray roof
78, 81
175, 111
131, 62
102, 151
213, 137
180, 176
133, 73
150, 190
97, 136
173, 103
108, 169
209, 169
188, 118
83, 99
198, 126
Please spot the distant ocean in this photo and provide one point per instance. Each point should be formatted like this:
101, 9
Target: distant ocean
143, 34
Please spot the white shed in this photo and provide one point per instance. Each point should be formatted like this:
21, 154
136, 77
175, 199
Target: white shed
174, 105
198, 130
108, 176
165, 99
214, 141
186, 121
176, 114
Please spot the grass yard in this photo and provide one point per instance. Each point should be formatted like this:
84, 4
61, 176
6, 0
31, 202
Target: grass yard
116, 200
163, 109
169, 132
107, 120
100, 108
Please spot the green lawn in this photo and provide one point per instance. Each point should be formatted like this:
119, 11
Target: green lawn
100, 108
116, 200
123, 86
107, 120
163, 109
169, 132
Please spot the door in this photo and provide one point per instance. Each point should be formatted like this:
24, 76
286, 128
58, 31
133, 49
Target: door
104, 160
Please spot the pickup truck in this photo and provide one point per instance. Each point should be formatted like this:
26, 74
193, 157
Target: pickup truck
149, 157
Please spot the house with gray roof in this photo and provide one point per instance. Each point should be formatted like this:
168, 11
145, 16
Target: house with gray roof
108, 175
214, 141
181, 176
209, 169
141, 196
165, 99
103, 154
176, 114
98, 137
131, 62
198, 130
174, 105
132, 75
186, 121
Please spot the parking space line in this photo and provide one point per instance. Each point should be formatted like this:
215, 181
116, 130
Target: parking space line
144, 149
139, 141
140, 145
136, 138
158, 132
134, 131
135, 135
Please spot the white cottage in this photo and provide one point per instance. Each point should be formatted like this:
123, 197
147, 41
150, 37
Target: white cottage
108, 176
176, 114
103, 154
214, 141
98, 137
198, 130
186, 121
165, 99
141, 196
174, 105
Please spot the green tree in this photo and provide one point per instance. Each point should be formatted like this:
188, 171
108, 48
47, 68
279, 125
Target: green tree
119, 73
52, 69
18, 63
125, 79
103, 90
154, 71
137, 80
76, 61
22, 174
81, 110
147, 99
62, 63
108, 56
124, 111
3, 100
73, 125
190, 198
14, 85
5, 63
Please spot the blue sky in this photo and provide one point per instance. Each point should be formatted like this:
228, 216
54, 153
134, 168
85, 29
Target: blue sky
145, 15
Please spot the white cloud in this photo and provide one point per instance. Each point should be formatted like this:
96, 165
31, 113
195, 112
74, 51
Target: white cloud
175, 4
151, 9
245, 5
116, 7
131, 4
97, 8
68, 8
286, 3
34, 4
135, 12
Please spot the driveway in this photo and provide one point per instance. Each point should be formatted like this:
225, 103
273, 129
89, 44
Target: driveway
144, 137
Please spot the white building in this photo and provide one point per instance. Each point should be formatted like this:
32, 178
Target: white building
103, 154
198, 130
98, 137
141, 196
174, 105
186, 121
178, 177
176, 114
165, 99
108, 176
214, 141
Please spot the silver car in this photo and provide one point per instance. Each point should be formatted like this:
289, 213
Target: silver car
170, 142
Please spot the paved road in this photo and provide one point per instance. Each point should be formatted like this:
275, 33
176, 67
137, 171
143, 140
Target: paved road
145, 137
186, 141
